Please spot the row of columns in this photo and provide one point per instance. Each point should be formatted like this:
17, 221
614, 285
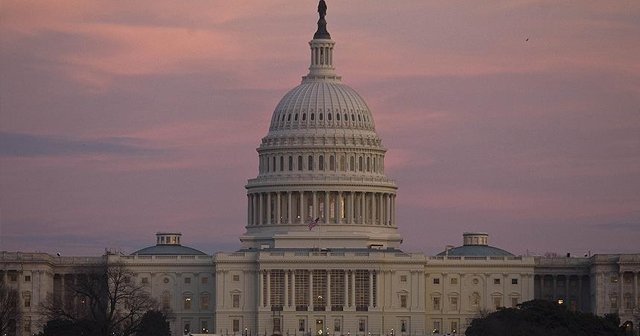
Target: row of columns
289, 296
338, 207
564, 292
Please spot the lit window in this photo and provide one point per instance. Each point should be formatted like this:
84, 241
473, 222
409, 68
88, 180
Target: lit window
187, 302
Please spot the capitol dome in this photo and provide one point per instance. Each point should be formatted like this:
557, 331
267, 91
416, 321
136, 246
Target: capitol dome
321, 180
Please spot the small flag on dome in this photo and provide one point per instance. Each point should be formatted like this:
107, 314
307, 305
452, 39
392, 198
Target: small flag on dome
313, 223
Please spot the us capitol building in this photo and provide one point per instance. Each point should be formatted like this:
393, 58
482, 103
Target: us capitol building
322, 254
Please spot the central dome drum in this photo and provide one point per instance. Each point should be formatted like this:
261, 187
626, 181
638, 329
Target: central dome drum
321, 180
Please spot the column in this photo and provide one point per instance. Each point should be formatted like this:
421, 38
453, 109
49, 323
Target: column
279, 207
370, 303
269, 222
286, 289
289, 214
635, 290
301, 212
346, 289
249, 209
328, 298
351, 205
555, 290
260, 206
374, 208
268, 275
327, 213
314, 214
580, 292
260, 289
621, 291
363, 209
311, 289
338, 207
353, 288
254, 210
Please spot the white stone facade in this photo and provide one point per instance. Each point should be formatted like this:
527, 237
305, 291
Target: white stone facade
321, 252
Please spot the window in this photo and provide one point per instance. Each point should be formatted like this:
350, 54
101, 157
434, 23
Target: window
497, 302
27, 299
403, 278
277, 289
236, 277
301, 325
496, 281
321, 162
299, 162
362, 290
360, 163
187, 328
454, 303
313, 115
514, 302
332, 163
614, 279
403, 301
436, 327
436, 303
337, 290
204, 326
27, 278
13, 277
454, 326
236, 325
204, 301
235, 300
281, 163
301, 290
204, 280
436, 281
352, 163
403, 326
290, 163
145, 280
166, 300
475, 299
187, 302
514, 281
304, 116
310, 162
362, 325
454, 281
613, 302
187, 280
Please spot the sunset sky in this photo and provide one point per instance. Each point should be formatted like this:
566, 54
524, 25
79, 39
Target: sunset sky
520, 118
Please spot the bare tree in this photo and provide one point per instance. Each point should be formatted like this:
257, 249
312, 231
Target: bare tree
104, 301
9, 308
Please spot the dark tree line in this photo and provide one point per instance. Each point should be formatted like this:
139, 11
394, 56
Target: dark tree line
101, 301
544, 318
9, 309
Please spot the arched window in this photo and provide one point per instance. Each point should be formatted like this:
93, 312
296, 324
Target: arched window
359, 119
343, 163
352, 163
353, 117
328, 117
289, 117
310, 162
290, 162
346, 118
360, 163
368, 164
304, 116
375, 160
295, 117
321, 162
281, 163
338, 116
266, 163
313, 116
299, 162
273, 161
332, 163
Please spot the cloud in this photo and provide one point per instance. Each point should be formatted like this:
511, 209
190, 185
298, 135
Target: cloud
32, 145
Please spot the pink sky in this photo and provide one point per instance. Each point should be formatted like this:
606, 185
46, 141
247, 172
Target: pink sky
119, 119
